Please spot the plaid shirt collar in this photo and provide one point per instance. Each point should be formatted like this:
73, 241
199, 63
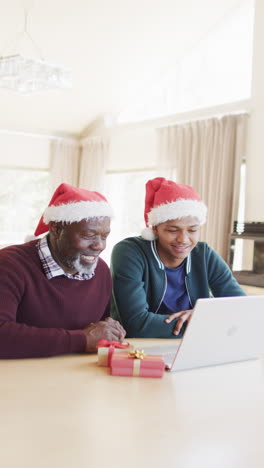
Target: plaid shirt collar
50, 267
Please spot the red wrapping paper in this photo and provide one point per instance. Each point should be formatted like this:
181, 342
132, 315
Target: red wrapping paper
106, 349
149, 366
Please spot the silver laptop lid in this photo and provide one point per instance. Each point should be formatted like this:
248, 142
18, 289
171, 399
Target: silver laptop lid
222, 330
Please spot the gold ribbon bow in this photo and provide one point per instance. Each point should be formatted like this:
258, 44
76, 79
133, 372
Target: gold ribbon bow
137, 355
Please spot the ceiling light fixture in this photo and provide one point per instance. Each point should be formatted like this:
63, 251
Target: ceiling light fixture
27, 75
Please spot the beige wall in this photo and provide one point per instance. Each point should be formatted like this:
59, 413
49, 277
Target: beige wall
255, 153
27, 151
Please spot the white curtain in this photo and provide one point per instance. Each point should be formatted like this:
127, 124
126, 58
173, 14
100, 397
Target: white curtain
64, 162
207, 155
93, 162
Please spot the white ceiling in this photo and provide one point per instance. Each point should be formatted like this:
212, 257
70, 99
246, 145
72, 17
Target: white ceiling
113, 47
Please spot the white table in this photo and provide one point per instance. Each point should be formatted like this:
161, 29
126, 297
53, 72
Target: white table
67, 412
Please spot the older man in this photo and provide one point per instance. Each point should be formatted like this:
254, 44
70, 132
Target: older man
158, 277
55, 291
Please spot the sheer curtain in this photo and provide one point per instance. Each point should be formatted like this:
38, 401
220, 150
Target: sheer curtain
64, 162
207, 155
93, 161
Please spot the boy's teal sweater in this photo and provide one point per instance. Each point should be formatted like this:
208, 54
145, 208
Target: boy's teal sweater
139, 284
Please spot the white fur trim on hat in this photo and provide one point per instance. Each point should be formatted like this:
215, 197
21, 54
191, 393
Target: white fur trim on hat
75, 212
148, 234
176, 210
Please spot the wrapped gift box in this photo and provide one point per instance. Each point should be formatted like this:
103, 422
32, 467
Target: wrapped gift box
106, 349
128, 364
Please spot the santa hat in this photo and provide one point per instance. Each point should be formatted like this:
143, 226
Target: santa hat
70, 204
167, 200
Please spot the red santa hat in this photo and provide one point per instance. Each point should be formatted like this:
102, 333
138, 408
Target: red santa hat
167, 200
70, 204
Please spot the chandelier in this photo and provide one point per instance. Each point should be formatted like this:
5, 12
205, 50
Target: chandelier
26, 75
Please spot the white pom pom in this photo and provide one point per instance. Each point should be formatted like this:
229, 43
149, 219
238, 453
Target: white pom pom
29, 238
148, 234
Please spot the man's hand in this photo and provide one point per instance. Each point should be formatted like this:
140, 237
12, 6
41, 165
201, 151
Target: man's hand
182, 317
109, 329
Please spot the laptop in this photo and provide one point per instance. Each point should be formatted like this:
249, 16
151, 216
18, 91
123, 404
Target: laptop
221, 330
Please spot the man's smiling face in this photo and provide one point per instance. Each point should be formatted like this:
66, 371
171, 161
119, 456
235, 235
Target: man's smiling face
77, 246
176, 239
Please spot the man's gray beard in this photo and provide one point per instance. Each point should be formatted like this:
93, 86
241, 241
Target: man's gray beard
76, 265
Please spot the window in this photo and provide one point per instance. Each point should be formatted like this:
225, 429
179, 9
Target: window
238, 247
23, 198
125, 191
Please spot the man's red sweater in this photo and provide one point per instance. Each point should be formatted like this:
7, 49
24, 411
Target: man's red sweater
41, 317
